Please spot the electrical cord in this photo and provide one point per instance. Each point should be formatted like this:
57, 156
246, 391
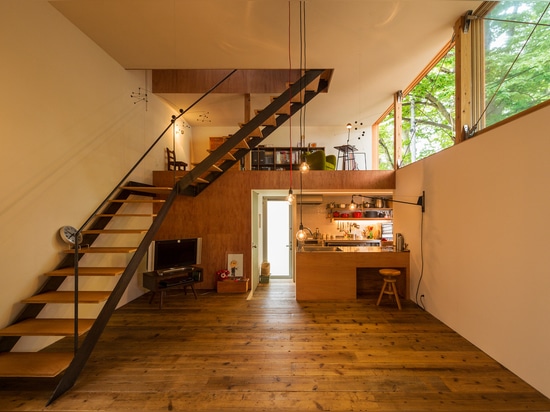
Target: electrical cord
421, 304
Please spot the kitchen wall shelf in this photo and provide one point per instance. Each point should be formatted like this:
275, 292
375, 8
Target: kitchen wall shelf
337, 219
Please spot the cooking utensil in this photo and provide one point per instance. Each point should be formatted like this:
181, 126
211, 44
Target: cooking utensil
381, 203
356, 214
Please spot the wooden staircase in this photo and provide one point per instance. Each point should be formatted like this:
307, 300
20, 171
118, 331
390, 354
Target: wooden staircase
48, 364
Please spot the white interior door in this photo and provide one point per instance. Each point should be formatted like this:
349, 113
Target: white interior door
277, 242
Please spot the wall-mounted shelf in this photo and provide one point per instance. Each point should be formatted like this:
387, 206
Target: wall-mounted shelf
278, 158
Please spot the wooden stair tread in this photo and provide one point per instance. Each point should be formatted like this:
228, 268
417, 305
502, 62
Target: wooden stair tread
113, 231
34, 364
119, 249
47, 327
148, 189
311, 87
270, 121
137, 200
255, 133
88, 271
240, 145
213, 168
68, 297
285, 109
226, 156
126, 215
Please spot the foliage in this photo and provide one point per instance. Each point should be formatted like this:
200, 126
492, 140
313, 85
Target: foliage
517, 77
517, 61
428, 117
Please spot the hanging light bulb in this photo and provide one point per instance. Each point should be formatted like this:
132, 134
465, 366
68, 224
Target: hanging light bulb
290, 197
301, 234
352, 205
304, 167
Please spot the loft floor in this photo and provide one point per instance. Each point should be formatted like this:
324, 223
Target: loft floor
226, 353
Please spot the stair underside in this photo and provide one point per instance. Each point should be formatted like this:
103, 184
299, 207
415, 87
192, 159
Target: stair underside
120, 249
68, 297
148, 189
88, 271
113, 231
33, 364
136, 201
47, 327
125, 215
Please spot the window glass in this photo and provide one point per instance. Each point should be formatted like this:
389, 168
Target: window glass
517, 58
385, 142
429, 112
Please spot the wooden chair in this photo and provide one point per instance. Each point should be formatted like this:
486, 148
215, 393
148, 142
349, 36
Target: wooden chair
389, 288
174, 164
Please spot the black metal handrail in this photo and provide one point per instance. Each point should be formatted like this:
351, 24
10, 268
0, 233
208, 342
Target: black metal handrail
82, 354
119, 184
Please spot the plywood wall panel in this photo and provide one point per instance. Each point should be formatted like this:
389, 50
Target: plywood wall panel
221, 214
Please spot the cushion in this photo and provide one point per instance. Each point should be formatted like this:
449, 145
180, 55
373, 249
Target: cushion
330, 162
317, 161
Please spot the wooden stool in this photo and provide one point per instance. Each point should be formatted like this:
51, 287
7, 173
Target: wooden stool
389, 288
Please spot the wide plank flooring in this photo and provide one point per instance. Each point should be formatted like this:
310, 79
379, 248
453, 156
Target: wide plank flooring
271, 353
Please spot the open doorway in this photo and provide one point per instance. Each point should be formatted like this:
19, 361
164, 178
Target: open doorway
277, 242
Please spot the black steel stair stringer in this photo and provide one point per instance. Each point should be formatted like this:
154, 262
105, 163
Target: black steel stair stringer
247, 129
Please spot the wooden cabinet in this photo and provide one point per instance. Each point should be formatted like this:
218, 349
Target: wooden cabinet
181, 278
232, 286
278, 158
334, 275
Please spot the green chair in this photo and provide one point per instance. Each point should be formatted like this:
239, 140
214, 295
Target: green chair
317, 160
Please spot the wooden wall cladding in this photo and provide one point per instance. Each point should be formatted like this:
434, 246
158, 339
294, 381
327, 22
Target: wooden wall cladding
221, 214
242, 81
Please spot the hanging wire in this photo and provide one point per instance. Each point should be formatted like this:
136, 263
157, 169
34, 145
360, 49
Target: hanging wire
303, 59
290, 196
535, 26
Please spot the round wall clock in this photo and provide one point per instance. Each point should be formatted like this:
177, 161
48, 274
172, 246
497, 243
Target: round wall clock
68, 234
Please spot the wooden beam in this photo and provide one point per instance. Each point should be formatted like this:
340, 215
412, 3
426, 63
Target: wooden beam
397, 129
463, 70
241, 82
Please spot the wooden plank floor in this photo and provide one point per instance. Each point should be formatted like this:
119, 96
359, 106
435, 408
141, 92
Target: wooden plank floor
270, 353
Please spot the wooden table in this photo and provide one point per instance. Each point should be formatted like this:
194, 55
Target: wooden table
333, 275
158, 281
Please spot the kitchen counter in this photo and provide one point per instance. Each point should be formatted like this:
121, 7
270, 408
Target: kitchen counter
333, 275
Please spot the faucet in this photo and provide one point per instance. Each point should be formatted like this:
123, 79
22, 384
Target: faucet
308, 229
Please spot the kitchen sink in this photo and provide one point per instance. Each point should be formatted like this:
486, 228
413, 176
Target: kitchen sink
308, 248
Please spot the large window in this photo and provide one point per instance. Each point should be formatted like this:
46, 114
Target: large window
517, 58
427, 116
510, 51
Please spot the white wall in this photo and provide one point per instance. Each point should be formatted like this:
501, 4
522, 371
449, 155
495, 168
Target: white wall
485, 242
69, 131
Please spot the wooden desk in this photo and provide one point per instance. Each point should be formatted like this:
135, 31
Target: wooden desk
179, 278
333, 275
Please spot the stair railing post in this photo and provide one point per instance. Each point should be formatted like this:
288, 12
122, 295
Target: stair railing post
76, 260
